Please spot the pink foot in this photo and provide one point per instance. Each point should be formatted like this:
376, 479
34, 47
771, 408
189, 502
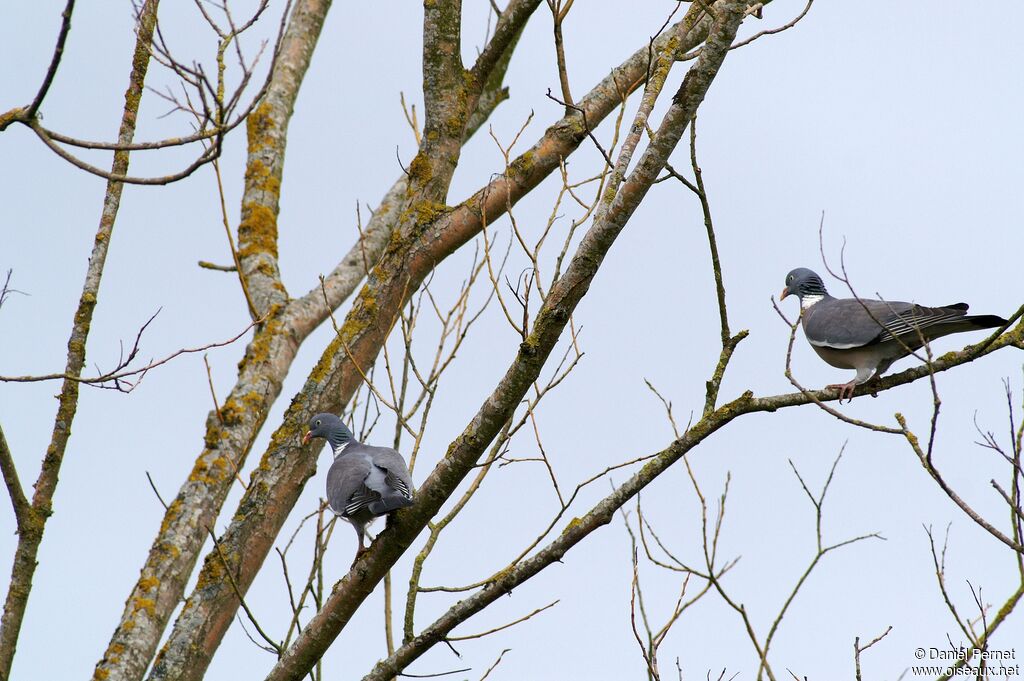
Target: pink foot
845, 390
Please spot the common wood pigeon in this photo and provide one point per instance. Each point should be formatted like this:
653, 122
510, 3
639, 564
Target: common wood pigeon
869, 335
364, 482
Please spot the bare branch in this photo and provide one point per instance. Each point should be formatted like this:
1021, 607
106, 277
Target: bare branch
29, 112
30, 539
22, 507
118, 375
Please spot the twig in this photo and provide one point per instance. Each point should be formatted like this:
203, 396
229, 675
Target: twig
214, 266
773, 31
121, 372
857, 649
504, 626
586, 126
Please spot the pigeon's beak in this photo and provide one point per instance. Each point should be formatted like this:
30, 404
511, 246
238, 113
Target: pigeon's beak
785, 292
305, 438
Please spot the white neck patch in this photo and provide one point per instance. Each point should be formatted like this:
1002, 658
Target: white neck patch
341, 448
807, 301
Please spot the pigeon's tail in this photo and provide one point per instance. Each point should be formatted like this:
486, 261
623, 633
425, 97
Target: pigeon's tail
390, 502
984, 321
968, 322
956, 325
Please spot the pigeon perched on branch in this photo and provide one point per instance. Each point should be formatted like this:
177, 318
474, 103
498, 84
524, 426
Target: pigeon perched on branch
869, 335
364, 482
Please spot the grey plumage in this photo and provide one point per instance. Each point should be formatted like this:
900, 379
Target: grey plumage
364, 482
869, 335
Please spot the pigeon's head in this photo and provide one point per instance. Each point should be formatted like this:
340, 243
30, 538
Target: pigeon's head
803, 282
329, 427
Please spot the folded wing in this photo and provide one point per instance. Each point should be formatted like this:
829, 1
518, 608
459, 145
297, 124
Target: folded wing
850, 323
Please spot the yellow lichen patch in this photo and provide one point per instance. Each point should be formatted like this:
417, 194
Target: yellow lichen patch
252, 400
428, 211
213, 569
146, 605
267, 269
259, 126
320, 371
199, 471
454, 124
231, 412
221, 466
259, 177
172, 513
212, 437
420, 170
209, 472
259, 350
289, 433
523, 165
101, 674
257, 232
148, 583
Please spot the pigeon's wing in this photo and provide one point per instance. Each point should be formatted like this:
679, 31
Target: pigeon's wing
841, 324
397, 477
849, 323
346, 485
929, 322
395, 485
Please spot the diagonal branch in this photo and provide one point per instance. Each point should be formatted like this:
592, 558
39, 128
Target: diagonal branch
285, 467
22, 508
29, 112
201, 625
229, 433
31, 528
58, 53
267, 128
497, 409
603, 512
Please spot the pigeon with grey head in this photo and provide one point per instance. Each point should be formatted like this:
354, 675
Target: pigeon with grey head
869, 335
364, 482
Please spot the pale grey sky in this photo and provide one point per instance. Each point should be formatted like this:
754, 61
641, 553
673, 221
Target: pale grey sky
901, 121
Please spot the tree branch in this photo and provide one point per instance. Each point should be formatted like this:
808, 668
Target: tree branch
22, 508
29, 112
31, 534
549, 323
231, 431
207, 615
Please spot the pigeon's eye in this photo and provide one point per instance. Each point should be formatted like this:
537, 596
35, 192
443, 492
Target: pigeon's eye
317, 424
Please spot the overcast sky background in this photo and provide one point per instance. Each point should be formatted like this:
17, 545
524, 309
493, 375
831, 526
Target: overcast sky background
901, 121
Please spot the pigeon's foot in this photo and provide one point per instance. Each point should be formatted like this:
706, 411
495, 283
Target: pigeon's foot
360, 551
845, 389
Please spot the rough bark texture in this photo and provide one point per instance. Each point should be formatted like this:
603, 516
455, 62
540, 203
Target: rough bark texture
551, 321
230, 434
284, 468
415, 200
30, 530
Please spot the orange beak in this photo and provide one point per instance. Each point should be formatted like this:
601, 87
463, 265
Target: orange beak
785, 292
305, 438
